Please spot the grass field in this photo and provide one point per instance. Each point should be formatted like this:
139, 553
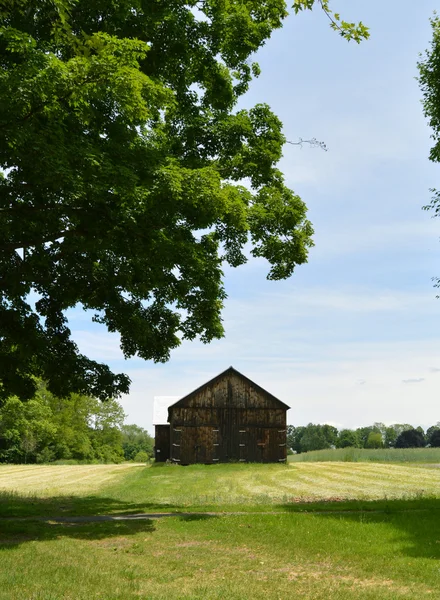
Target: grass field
122, 488
410, 455
384, 543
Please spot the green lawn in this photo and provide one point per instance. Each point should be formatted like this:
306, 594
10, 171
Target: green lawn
384, 548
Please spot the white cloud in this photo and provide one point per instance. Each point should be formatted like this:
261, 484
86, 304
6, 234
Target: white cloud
101, 346
322, 390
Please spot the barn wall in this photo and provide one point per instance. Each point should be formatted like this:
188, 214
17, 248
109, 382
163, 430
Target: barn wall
228, 419
244, 444
225, 390
162, 443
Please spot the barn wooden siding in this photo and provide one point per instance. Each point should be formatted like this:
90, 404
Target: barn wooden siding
162, 443
228, 419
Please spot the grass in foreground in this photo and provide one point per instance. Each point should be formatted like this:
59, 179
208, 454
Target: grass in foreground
390, 551
312, 556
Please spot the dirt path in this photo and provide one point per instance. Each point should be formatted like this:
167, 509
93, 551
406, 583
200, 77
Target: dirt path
150, 516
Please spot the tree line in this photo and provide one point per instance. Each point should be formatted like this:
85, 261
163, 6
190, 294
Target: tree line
77, 428
378, 435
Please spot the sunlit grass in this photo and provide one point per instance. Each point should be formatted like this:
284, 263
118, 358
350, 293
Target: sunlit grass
216, 487
54, 480
407, 455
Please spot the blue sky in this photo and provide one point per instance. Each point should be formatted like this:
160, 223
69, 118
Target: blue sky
354, 336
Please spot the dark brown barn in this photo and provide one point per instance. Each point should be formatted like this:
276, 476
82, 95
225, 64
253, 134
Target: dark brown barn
230, 418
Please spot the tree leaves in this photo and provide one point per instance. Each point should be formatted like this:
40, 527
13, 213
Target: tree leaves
350, 31
129, 177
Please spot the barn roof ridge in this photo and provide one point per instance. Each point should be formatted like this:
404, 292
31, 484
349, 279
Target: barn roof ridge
231, 368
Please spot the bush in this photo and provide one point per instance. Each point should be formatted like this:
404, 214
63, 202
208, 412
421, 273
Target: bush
411, 438
45, 456
435, 439
141, 457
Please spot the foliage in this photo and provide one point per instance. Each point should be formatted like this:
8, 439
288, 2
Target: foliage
141, 457
311, 437
349, 31
347, 438
363, 434
434, 440
430, 432
374, 440
429, 77
411, 438
122, 162
319, 437
136, 440
25, 430
47, 428
119, 146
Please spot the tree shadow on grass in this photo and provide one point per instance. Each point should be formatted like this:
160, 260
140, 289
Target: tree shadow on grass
26, 519
416, 521
17, 533
15, 505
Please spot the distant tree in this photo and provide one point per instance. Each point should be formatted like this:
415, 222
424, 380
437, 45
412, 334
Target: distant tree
347, 438
381, 428
141, 457
48, 428
330, 433
411, 438
25, 429
434, 440
135, 440
313, 439
422, 433
390, 437
430, 431
374, 440
318, 437
363, 433
294, 436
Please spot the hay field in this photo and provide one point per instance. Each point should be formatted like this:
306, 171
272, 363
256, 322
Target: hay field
199, 485
59, 480
224, 484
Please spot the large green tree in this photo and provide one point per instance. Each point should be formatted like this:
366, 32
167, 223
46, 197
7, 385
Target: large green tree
128, 177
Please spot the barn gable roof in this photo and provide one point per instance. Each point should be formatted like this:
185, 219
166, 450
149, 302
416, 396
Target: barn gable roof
231, 370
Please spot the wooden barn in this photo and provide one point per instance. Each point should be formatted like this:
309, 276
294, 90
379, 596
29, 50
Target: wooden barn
229, 418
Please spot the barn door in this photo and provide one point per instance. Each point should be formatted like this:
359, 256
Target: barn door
176, 441
243, 445
282, 445
204, 445
263, 444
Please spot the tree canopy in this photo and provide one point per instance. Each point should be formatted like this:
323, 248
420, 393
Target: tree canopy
128, 177
378, 435
411, 438
78, 428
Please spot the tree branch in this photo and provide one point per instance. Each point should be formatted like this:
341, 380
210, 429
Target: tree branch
314, 143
